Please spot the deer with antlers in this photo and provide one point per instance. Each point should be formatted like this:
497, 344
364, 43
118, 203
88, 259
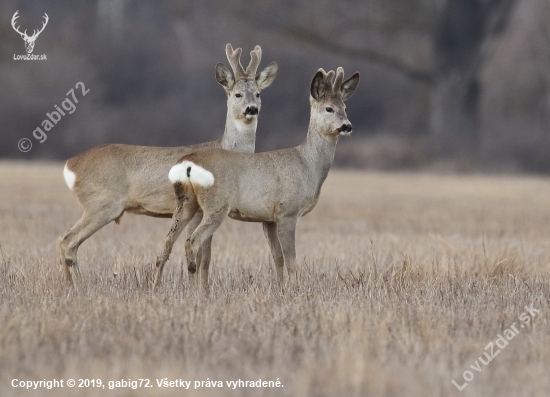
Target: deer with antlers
29, 40
109, 180
275, 188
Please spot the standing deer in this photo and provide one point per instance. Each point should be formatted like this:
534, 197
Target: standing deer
109, 180
29, 40
275, 188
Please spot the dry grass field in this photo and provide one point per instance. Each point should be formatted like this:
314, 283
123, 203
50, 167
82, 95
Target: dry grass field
405, 279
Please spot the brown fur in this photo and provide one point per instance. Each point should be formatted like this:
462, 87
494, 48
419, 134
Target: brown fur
113, 179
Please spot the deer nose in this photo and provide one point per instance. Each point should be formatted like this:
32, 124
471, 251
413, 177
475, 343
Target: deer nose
345, 128
251, 110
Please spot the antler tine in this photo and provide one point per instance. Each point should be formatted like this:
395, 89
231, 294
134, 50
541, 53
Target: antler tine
46, 19
16, 28
329, 79
258, 51
337, 86
325, 74
15, 16
255, 58
234, 58
36, 32
228, 50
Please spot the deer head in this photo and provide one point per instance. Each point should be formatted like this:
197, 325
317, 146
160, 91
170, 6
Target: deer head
328, 93
29, 40
243, 86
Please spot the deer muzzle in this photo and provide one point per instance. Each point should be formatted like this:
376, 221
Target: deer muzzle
251, 111
345, 129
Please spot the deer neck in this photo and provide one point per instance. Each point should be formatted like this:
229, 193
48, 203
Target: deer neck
318, 151
239, 136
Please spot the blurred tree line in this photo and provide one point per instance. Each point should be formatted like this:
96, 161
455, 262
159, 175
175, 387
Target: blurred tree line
453, 82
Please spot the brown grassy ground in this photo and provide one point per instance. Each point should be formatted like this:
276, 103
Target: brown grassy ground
405, 278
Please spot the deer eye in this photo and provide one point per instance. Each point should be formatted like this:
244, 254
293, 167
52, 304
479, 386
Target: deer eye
329, 109
257, 95
238, 95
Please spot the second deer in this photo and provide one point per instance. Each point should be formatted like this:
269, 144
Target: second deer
275, 188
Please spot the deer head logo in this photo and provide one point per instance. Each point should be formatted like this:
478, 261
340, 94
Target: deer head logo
29, 40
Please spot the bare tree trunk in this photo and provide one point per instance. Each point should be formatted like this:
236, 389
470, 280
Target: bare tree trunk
454, 115
463, 40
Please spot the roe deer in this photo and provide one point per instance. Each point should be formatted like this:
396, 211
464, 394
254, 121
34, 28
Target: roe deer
275, 188
111, 179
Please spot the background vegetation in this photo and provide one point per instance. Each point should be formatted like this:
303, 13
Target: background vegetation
459, 82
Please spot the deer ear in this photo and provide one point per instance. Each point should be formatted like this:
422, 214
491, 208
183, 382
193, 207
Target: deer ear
318, 85
224, 76
267, 76
349, 86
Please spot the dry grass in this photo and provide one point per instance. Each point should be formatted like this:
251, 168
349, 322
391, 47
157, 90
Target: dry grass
405, 278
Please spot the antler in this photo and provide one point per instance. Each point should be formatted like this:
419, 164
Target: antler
255, 58
16, 28
333, 81
234, 58
337, 85
35, 34
328, 78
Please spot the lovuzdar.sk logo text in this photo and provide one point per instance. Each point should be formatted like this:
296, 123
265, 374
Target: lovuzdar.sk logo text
29, 40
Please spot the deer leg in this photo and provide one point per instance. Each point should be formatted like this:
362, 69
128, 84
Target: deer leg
286, 231
189, 229
185, 211
203, 259
270, 231
69, 242
202, 234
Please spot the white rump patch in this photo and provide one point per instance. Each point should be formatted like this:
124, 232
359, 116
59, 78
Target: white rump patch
187, 171
69, 176
178, 173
